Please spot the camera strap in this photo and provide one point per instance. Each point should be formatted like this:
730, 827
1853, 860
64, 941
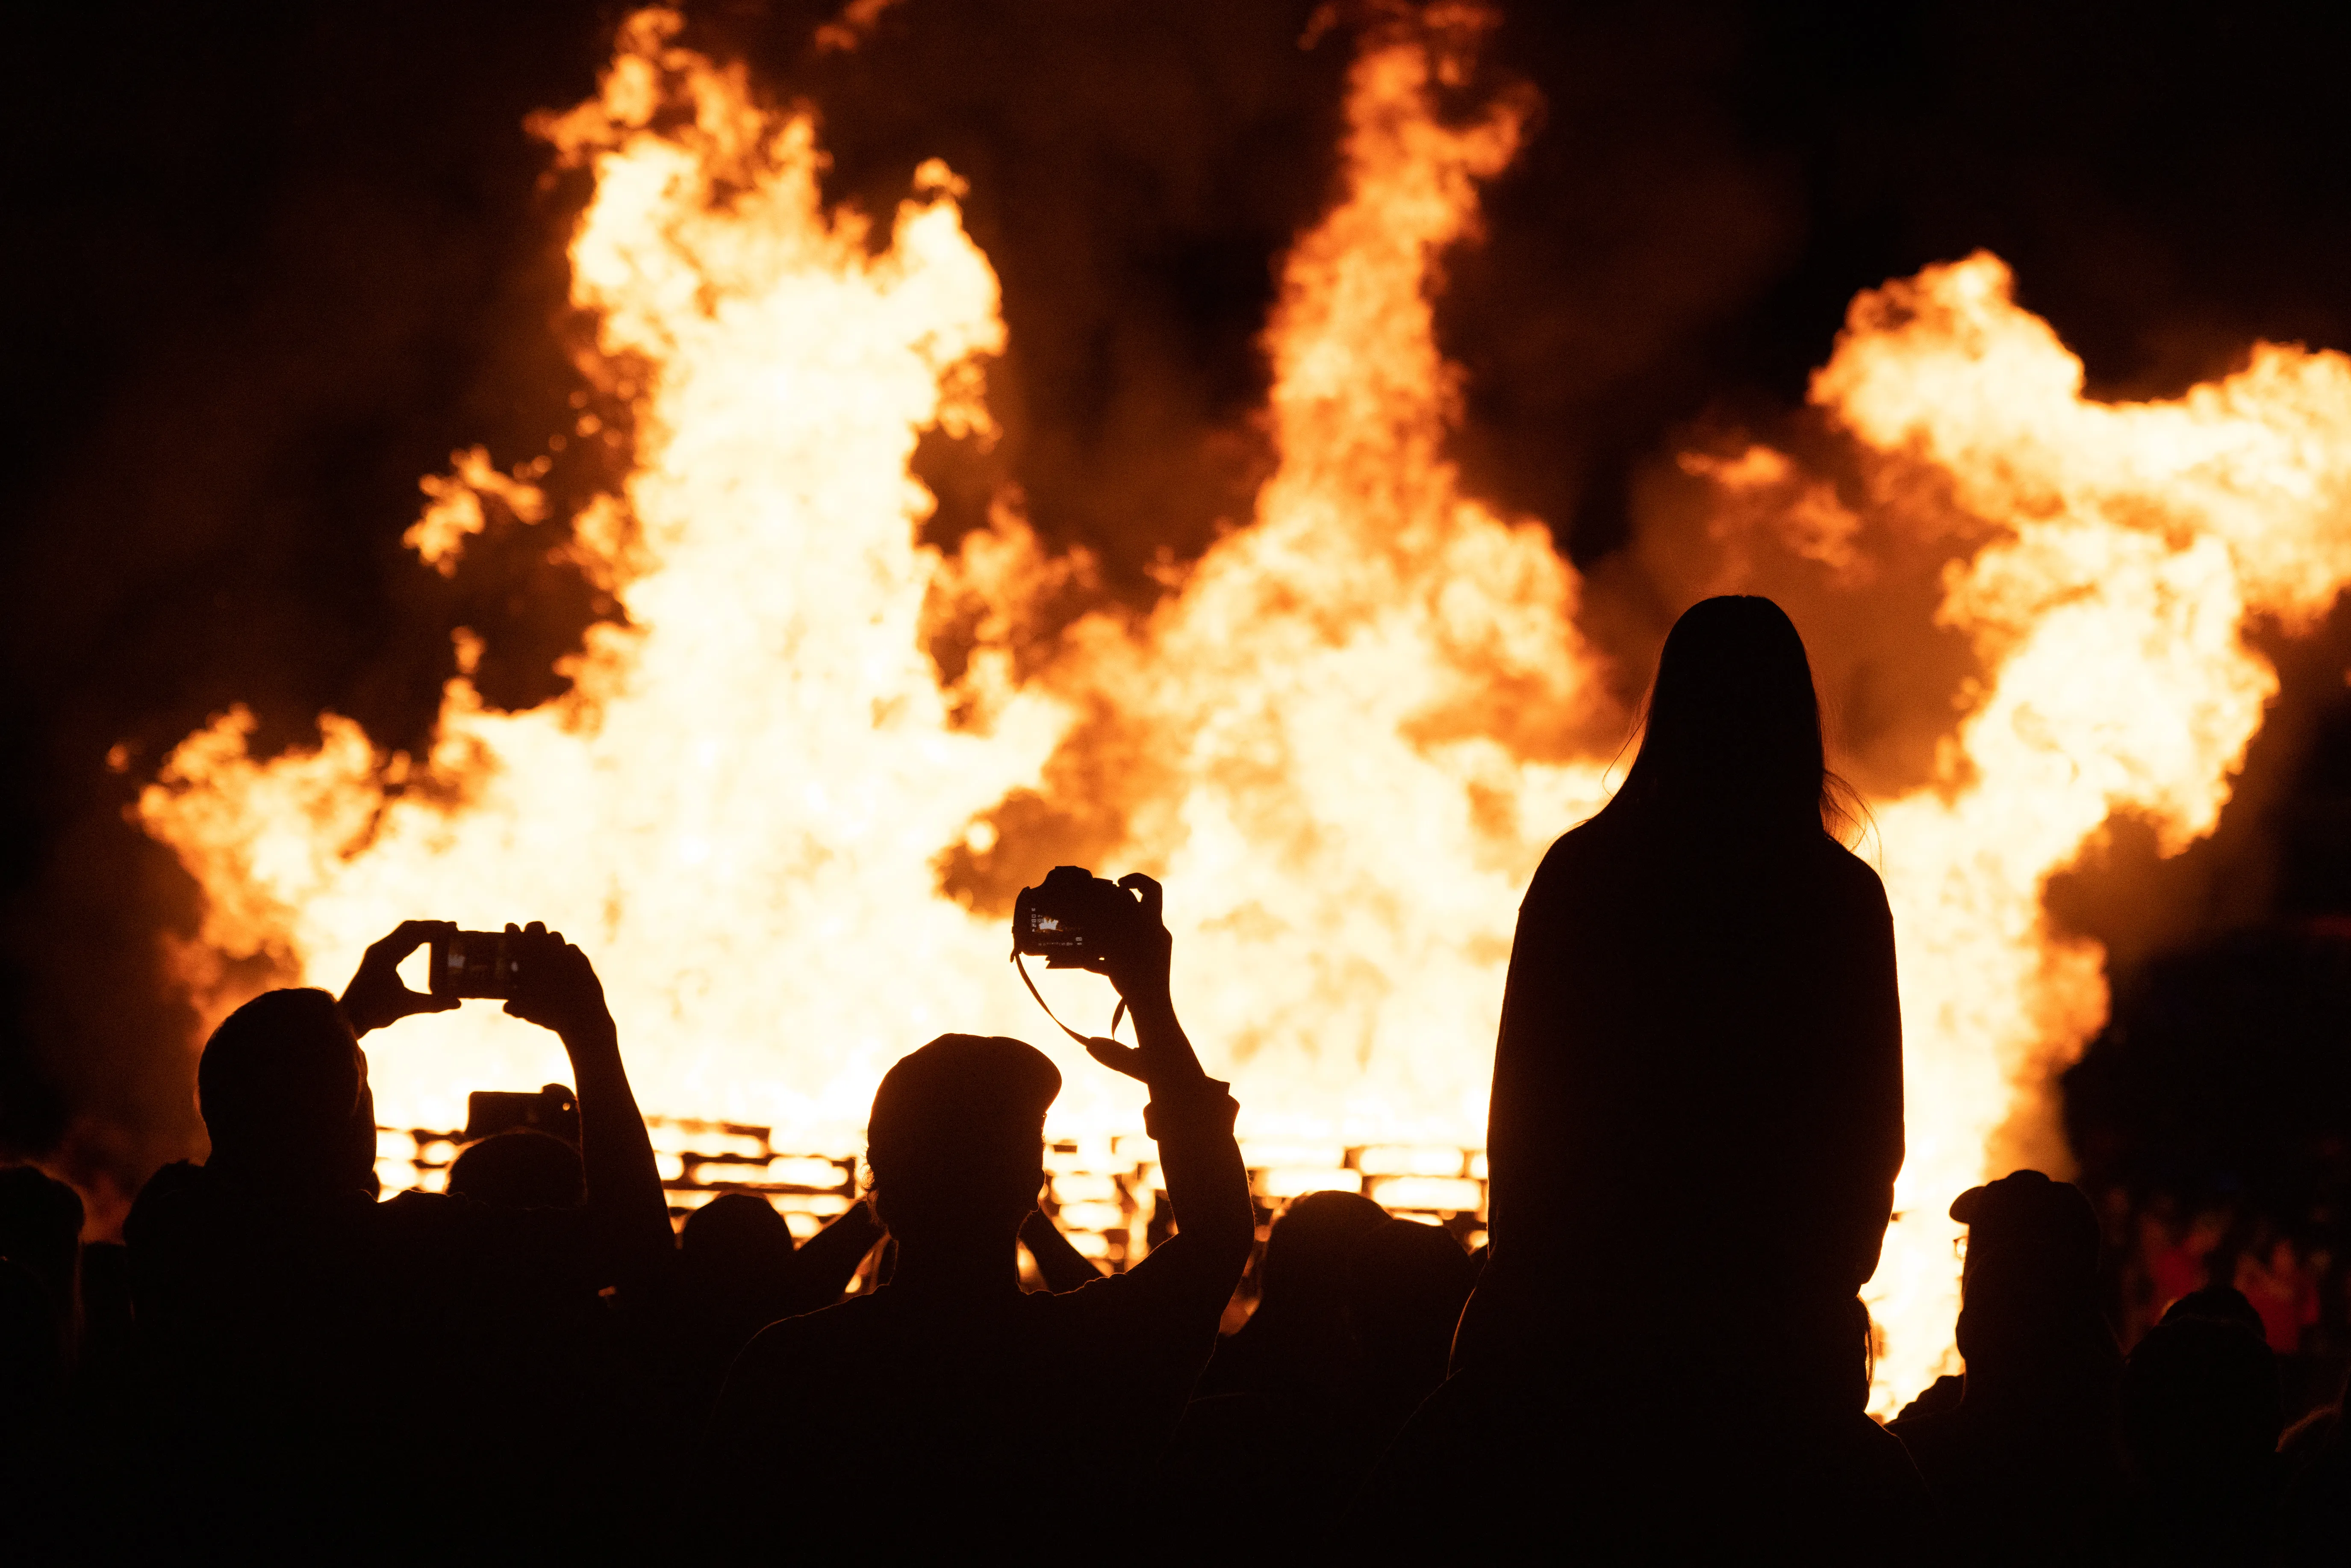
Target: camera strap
1050, 1013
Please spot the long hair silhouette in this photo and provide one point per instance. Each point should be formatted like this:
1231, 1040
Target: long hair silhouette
1731, 734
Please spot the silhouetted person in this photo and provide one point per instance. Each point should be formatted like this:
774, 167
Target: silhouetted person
1695, 1124
1406, 1284
2027, 1466
2201, 1417
1353, 1322
954, 1393
343, 1380
739, 1272
40, 1232
42, 1454
32, 1411
1277, 1399
1299, 1338
521, 1168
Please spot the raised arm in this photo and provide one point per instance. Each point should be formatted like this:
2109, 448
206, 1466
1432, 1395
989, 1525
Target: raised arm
556, 987
1190, 1114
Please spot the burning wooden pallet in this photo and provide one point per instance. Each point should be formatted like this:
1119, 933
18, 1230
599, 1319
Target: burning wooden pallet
1106, 1194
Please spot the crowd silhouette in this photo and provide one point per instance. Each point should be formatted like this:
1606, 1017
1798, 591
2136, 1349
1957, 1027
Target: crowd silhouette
1660, 1356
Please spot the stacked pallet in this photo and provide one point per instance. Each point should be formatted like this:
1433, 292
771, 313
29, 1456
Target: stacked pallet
1105, 1193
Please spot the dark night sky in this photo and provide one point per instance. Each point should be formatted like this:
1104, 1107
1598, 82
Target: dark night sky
267, 268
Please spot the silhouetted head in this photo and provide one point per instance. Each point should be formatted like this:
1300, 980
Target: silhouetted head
2028, 1294
736, 1231
1733, 729
1407, 1283
1309, 1248
2200, 1401
521, 1168
2219, 1304
283, 1090
957, 1137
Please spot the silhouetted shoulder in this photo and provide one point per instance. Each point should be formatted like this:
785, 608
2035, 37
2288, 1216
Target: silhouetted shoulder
525, 1252
170, 1194
810, 1357
1850, 871
1585, 841
1594, 856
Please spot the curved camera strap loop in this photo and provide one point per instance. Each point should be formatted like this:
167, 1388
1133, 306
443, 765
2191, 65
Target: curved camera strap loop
1065, 1028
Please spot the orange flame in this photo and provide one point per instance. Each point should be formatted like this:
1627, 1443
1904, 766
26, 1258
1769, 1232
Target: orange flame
2118, 550
1345, 735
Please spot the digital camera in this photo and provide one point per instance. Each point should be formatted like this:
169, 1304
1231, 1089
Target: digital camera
1065, 918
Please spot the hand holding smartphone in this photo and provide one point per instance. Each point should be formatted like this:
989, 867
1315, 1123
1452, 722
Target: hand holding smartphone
473, 963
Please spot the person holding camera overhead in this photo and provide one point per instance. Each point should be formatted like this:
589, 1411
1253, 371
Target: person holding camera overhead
952, 1389
343, 1380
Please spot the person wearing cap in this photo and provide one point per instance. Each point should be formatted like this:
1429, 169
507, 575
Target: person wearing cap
956, 1393
2026, 1465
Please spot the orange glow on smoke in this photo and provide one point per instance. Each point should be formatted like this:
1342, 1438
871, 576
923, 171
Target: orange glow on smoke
1343, 737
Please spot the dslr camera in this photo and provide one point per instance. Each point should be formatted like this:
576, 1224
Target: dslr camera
1068, 919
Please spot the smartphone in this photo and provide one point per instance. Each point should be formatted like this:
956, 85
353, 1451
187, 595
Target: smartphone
472, 964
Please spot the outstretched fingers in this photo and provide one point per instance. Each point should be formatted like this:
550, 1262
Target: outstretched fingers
377, 996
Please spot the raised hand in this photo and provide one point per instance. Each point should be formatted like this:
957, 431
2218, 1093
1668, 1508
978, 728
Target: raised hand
1135, 951
555, 986
377, 996
1133, 948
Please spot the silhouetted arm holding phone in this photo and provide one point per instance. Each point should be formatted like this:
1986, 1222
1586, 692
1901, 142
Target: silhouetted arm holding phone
556, 987
1190, 1114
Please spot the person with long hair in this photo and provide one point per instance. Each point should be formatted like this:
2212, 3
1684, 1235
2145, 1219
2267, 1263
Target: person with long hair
1697, 1113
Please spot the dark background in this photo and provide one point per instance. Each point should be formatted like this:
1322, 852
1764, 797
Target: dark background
270, 264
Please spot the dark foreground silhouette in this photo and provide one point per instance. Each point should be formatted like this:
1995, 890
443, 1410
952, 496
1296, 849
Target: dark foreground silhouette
969, 1387
1698, 1081
2022, 1453
387, 1376
1695, 1123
